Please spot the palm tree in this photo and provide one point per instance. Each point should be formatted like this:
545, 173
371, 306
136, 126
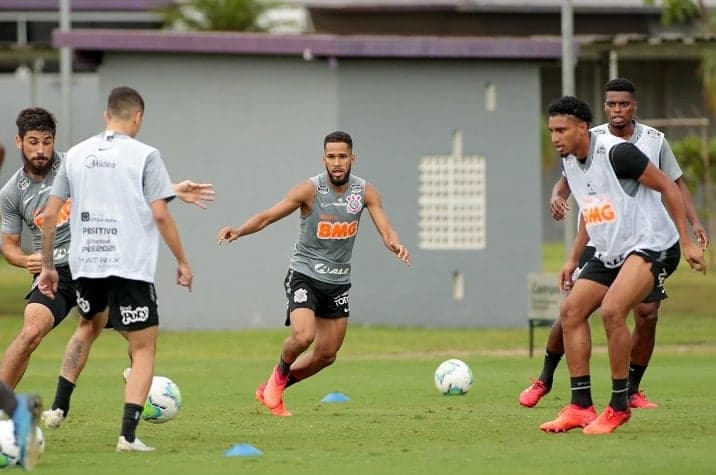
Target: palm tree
218, 15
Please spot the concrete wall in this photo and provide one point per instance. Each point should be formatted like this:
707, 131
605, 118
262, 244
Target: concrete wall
254, 127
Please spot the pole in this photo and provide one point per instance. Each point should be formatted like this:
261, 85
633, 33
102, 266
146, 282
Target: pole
65, 124
570, 220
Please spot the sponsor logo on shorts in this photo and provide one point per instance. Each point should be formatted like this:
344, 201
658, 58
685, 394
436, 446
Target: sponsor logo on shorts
660, 278
300, 295
344, 301
83, 304
133, 315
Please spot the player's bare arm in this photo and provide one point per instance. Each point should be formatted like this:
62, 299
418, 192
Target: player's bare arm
691, 215
300, 196
168, 229
382, 224
671, 196
12, 250
48, 278
198, 194
558, 206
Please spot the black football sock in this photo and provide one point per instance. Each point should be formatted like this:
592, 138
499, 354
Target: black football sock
551, 360
63, 395
581, 391
292, 380
283, 367
636, 372
130, 419
619, 401
8, 403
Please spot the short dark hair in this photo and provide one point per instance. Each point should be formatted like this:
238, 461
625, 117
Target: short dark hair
338, 136
570, 105
35, 118
124, 101
620, 85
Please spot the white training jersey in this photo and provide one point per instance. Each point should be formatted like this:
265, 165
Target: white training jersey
617, 222
112, 185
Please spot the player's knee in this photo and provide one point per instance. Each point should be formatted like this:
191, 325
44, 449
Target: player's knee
612, 316
569, 315
325, 359
302, 337
32, 335
646, 315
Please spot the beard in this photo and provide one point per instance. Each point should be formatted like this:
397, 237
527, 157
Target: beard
343, 181
36, 169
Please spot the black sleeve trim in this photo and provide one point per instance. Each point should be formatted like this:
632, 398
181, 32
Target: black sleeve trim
628, 161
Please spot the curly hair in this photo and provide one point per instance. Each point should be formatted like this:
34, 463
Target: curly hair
35, 118
570, 105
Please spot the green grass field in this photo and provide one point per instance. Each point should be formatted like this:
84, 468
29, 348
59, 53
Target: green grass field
396, 421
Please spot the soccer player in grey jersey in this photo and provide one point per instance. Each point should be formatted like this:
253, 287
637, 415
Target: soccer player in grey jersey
620, 193
620, 106
318, 280
22, 200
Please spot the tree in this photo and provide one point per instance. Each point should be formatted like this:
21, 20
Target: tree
218, 15
696, 162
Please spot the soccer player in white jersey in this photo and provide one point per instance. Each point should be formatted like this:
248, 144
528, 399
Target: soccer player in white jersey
620, 106
120, 191
619, 192
22, 200
318, 281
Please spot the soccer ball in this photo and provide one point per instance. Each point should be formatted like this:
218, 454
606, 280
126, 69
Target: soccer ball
453, 377
9, 451
163, 401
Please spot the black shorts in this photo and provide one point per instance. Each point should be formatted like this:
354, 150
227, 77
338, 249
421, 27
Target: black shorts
326, 300
132, 303
64, 300
663, 264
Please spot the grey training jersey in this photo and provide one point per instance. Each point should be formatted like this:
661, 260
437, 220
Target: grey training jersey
654, 145
326, 236
23, 200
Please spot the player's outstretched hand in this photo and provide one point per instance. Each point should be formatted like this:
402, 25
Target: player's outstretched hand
558, 208
226, 235
198, 194
401, 251
47, 282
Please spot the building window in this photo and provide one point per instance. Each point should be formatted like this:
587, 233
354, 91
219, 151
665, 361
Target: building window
451, 202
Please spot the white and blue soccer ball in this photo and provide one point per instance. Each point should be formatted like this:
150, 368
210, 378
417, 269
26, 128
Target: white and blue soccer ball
9, 451
163, 401
453, 377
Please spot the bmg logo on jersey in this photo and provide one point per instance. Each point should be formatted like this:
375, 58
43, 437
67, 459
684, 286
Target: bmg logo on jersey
337, 230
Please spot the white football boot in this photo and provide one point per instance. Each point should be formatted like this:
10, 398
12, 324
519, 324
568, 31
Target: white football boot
136, 446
